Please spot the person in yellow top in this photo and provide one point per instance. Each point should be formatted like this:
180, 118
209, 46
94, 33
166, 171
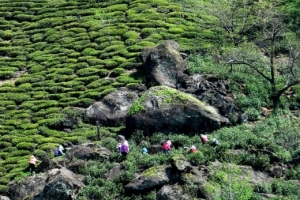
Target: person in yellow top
32, 163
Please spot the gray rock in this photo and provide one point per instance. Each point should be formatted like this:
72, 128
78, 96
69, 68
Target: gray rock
172, 192
247, 173
4, 198
88, 151
276, 171
152, 178
114, 172
181, 163
113, 108
59, 184
164, 109
268, 196
163, 63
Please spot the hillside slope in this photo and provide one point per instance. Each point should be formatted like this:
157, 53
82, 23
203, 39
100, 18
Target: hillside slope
59, 54
69, 54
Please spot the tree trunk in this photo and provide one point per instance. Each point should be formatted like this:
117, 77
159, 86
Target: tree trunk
98, 129
275, 99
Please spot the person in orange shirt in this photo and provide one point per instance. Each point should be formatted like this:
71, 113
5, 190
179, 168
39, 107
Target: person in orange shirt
32, 163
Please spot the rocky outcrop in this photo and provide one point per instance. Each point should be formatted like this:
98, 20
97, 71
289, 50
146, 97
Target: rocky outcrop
164, 109
246, 172
72, 119
164, 63
114, 172
113, 108
181, 179
60, 162
152, 178
81, 152
4, 198
54, 184
172, 192
165, 66
181, 163
277, 170
88, 151
213, 91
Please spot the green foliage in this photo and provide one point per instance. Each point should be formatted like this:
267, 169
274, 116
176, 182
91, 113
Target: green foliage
293, 174
137, 106
69, 48
259, 160
287, 189
227, 183
4, 188
6, 74
26, 146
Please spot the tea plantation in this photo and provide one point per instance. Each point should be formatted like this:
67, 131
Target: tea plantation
57, 55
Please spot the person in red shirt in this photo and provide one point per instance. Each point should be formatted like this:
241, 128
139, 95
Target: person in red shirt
166, 147
32, 163
204, 138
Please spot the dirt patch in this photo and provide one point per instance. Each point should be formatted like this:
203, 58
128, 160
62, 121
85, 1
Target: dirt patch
14, 79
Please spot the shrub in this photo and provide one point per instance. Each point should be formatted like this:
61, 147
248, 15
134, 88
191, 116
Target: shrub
4, 188
98, 83
25, 87
117, 71
18, 140
108, 63
26, 146
6, 74
4, 144
107, 91
133, 85
260, 161
176, 30
126, 78
227, 183
87, 71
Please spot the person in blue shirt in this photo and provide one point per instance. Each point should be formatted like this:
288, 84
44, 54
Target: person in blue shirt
144, 150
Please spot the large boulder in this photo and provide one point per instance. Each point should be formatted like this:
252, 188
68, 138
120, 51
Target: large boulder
172, 192
88, 151
113, 108
164, 63
181, 163
81, 152
152, 178
114, 172
252, 176
164, 109
59, 184
213, 91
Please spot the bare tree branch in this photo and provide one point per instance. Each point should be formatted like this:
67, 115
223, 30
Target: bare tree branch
240, 62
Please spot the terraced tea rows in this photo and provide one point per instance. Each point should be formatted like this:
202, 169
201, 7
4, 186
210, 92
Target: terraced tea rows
69, 54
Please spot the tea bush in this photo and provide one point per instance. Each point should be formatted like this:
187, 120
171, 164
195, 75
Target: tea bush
227, 183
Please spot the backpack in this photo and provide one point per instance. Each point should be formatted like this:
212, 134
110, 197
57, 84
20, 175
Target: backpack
124, 148
56, 153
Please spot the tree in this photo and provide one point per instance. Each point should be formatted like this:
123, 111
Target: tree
235, 18
273, 53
